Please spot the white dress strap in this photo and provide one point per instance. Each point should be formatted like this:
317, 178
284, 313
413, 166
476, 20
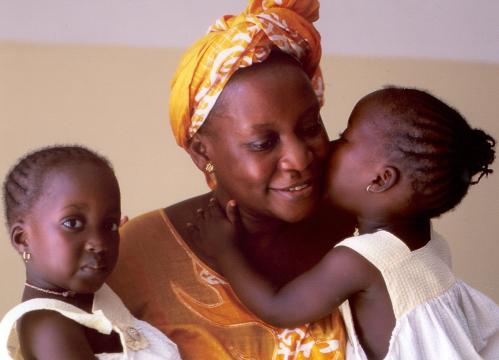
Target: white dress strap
411, 277
382, 249
95, 321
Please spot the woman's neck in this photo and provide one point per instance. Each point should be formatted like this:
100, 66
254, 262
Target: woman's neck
415, 233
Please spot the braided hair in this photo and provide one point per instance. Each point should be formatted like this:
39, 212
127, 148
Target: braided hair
23, 184
434, 145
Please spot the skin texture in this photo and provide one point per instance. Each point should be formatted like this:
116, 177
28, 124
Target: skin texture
264, 137
357, 160
72, 235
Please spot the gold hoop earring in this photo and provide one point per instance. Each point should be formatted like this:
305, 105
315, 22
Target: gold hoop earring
209, 168
368, 188
26, 256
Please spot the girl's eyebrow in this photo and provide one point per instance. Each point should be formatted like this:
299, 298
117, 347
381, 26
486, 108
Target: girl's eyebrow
77, 206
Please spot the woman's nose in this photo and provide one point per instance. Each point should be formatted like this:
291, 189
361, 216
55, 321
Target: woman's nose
297, 156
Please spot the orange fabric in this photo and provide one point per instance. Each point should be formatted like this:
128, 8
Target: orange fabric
235, 42
162, 282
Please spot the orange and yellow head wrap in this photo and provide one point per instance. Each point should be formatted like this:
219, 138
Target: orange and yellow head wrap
235, 42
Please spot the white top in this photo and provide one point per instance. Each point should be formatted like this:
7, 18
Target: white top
437, 316
140, 340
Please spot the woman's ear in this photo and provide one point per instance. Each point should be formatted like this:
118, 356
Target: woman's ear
18, 237
385, 180
197, 150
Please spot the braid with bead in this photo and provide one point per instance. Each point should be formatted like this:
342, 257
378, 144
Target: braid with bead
434, 145
22, 185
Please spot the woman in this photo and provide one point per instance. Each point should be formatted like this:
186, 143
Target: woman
245, 105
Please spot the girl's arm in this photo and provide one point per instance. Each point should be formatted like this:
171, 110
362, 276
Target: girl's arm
48, 335
311, 296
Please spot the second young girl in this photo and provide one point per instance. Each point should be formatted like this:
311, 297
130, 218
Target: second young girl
62, 206
405, 157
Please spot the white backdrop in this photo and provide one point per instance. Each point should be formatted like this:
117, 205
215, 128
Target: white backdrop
438, 29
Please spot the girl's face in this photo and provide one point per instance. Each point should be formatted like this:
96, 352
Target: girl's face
353, 161
72, 229
269, 144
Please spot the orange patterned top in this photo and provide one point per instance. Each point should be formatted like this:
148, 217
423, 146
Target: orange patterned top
164, 283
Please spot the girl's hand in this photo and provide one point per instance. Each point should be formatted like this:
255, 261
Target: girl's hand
218, 231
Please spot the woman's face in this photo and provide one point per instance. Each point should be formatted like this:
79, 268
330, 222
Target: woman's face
268, 143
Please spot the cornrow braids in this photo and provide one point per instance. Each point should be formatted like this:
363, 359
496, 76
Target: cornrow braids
434, 145
23, 184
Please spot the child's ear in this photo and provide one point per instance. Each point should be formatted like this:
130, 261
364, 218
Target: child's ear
198, 152
386, 179
18, 237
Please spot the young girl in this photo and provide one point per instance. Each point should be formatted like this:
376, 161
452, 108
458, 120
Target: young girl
404, 158
62, 206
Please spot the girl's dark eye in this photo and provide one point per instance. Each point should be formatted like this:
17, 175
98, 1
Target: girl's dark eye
111, 224
114, 226
72, 224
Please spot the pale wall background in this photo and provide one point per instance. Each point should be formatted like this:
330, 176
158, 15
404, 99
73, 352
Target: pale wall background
97, 72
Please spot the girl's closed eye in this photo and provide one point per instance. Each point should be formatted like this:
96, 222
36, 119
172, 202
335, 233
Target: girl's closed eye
341, 136
73, 223
312, 128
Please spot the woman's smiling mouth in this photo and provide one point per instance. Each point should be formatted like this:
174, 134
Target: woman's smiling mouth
298, 187
296, 191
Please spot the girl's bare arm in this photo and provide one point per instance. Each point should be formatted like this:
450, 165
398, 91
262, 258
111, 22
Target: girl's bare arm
48, 335
311, 296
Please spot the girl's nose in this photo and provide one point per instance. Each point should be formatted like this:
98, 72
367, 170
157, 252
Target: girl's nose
96, 244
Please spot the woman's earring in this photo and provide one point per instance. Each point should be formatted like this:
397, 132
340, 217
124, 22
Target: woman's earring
26, 256
209, 168
368, 188
209, 173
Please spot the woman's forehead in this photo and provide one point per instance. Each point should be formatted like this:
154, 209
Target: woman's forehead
267, 85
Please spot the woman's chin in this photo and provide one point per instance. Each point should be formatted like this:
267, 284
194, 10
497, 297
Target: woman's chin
297, 212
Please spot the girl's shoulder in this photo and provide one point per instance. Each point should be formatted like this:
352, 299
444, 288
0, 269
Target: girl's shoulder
49, 334
45, 328
354, 265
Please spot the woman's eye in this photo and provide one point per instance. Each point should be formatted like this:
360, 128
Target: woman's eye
262, 145
72, 224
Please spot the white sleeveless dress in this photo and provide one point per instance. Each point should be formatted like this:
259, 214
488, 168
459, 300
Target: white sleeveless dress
140, 340
437, 316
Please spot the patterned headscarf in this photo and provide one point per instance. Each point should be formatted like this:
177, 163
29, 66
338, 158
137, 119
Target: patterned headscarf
235, 42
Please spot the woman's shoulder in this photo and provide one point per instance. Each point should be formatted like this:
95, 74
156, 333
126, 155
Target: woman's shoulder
186, 208
163, 221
